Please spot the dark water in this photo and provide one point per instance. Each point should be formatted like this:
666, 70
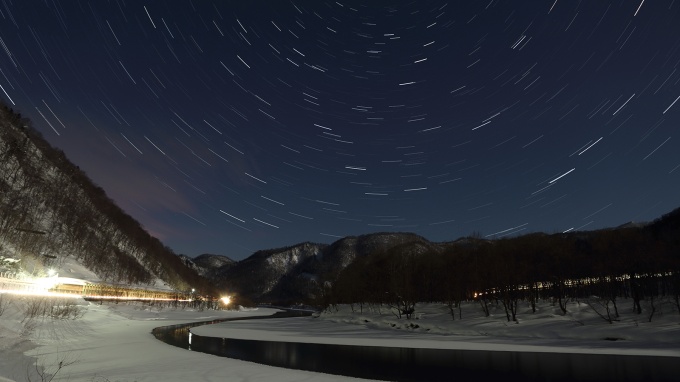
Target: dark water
408, 364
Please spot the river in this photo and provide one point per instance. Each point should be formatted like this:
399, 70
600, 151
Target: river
410, 364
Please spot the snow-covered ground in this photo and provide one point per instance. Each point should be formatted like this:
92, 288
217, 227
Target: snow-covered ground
580, 330
114, 343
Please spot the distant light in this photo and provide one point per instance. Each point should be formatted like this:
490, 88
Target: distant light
226, 300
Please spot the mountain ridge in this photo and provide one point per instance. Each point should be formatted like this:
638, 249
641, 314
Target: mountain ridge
50, 209
310, 277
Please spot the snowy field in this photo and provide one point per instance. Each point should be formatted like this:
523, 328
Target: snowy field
113, 342
581, 330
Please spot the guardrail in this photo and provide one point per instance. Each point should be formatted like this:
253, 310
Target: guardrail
9, 275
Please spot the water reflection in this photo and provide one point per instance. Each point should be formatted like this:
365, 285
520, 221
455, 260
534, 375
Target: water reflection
180, 336
408, 364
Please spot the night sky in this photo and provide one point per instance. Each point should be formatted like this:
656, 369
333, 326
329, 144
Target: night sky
233, 126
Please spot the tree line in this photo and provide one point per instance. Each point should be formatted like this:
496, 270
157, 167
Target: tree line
598, 268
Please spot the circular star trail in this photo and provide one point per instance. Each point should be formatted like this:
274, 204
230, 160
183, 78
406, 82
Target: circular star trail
231, 126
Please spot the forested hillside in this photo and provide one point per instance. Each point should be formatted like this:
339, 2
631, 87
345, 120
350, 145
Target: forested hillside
637, 261
641, 263
297, 274
49, 209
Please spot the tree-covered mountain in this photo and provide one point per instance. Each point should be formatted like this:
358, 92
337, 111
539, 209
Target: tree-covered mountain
49, 208
399, 269
300, 273
207, 263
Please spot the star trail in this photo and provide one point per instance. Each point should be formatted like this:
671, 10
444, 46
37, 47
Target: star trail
233, 126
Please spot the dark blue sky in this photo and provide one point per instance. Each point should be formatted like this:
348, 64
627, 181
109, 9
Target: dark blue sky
228, 127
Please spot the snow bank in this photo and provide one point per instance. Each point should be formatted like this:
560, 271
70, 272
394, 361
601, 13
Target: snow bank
581, 330
114, 343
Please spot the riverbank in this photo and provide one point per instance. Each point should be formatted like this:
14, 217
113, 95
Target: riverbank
113, 342
580, 330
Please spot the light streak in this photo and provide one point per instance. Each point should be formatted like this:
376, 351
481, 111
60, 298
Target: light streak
10, 98
638, 8
112, 32
323, 127
126, 138
443, 222
293, 150
664, 112
232, 216
324, 202
271, 200
166, 27
653, 151
597, 211
430, 129
193, 218
239, 23
147, 13
572, 154
483, 124
506, 230
154, 145
302, 216
264, 222
532, 141
225, 66
235, 149
218, 28
259, 180
128, 73
213, 127
624, 104
244, 63
48, 122
554, 180
50, 287
221, 157
586, 149
328, 234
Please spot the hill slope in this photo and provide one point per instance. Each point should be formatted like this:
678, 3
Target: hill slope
49, 209
382, 265
298, 273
